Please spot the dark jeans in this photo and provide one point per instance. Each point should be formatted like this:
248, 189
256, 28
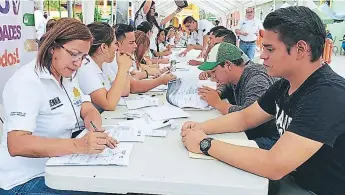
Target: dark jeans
37, 186
265, 142
248, 48
286, 186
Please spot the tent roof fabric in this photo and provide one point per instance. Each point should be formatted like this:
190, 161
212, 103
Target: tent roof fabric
217, 7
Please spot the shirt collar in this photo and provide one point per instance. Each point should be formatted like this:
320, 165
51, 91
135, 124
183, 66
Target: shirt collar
41, 73
93, 66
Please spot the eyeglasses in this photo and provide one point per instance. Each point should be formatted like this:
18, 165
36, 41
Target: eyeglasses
249, 12
77, 57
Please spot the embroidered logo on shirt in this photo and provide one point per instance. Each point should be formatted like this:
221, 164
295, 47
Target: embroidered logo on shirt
55, 103
76, 92
77, 97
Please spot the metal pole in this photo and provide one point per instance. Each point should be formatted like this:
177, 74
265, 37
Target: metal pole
111, 12
60, 8
274, 5
42, 5
73, 8
70, 8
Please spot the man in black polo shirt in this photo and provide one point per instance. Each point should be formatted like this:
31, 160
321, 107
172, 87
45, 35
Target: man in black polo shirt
308, 104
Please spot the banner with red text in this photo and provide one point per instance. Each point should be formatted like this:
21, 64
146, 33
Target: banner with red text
17, 37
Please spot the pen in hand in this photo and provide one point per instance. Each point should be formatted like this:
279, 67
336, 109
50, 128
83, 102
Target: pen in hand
111, 143
94, 126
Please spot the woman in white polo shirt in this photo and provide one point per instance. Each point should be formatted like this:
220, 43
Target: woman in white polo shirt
160, 49
43, 105
104, 93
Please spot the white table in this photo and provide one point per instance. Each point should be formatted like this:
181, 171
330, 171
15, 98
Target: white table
161, 166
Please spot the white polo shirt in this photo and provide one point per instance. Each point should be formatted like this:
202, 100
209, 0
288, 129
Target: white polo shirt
197, 37
111, 69
35, 102
251, 27
162, 47
91, 78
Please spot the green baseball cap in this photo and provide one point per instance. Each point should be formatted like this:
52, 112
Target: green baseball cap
219, 54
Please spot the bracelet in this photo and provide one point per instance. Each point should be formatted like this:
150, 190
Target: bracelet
147, 74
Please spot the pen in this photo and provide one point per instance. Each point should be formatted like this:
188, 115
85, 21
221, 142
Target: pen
127, 118
94, 126
166, 121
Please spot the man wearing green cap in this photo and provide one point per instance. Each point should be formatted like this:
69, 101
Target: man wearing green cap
248, 83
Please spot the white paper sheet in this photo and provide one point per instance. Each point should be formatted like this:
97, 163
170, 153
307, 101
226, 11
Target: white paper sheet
183, 93
166, 112
119, 156
141, 102
160, 88
121, 102
145, 126
124, 133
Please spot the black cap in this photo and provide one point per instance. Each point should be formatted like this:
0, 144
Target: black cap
145, 27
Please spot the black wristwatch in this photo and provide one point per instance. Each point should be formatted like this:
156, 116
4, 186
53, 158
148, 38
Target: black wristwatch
205, 145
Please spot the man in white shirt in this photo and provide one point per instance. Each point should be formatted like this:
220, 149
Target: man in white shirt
248, 31
126, 41
199, 37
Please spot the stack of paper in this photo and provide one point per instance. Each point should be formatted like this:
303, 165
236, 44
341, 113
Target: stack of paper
160, 88
141, 102
207, 83
238, 142
124, 133
118, 156
166, 112
183, 93
121, 102
159, 124
145, 127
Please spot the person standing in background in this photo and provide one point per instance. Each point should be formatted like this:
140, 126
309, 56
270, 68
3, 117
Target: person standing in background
146, 12
329, 35
248, 31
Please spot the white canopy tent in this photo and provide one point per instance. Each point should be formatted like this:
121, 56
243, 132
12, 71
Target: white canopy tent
220, 8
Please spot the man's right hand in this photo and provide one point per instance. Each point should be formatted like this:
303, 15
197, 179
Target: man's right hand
203, 76
124, 60
194, 62
187, 126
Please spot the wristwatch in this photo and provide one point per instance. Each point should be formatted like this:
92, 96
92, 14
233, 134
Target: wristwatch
205, 145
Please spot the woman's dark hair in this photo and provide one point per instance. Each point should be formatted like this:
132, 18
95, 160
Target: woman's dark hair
64, 31
143, 44
50, 24
159, 32
188, 19
145, 27
149, 18
102, 33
